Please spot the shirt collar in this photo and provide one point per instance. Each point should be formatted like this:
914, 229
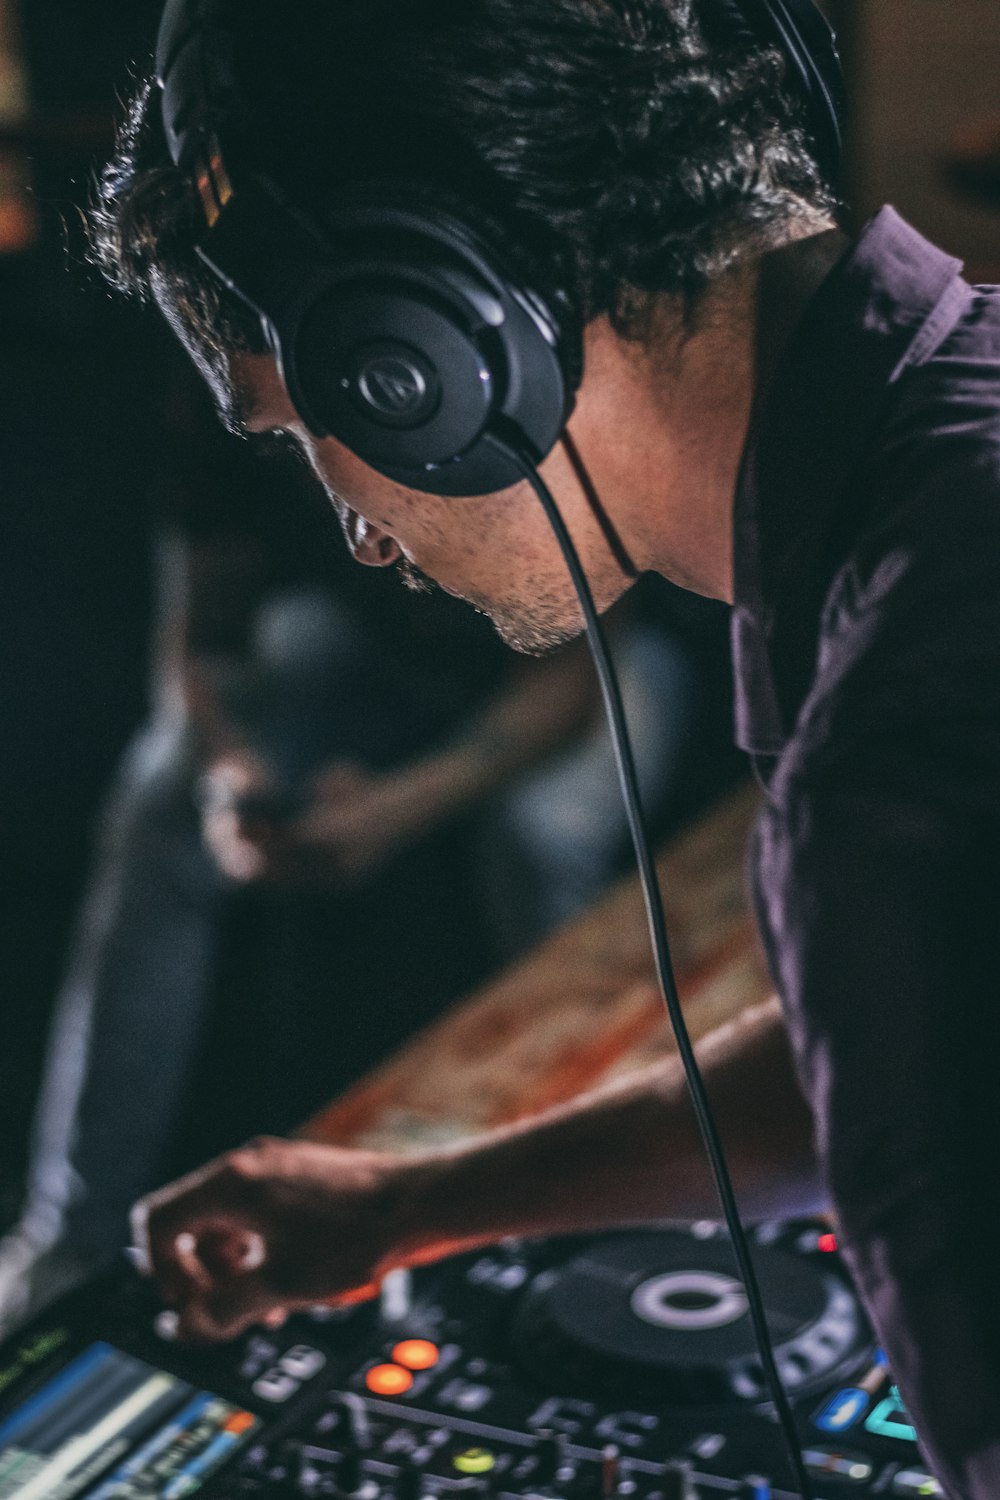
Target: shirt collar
886, 305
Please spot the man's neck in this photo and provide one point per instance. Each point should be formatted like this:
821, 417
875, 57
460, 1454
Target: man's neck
675, 412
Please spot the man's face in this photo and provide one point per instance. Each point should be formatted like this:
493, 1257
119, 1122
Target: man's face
495, 551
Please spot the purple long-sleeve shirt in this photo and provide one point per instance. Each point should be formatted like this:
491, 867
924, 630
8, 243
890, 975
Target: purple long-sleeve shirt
867, 641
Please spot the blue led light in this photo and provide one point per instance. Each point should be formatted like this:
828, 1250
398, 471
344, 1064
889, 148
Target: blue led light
845, 1409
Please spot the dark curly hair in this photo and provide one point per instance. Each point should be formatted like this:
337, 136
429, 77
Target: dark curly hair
649, 161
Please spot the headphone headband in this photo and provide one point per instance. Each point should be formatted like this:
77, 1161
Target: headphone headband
800, 31
411, 333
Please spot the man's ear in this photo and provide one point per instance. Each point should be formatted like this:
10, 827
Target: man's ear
368, 543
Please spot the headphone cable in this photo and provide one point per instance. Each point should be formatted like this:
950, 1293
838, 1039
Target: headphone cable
652, 895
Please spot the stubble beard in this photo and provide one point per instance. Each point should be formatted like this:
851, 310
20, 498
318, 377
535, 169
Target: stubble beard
534, 633
533, 629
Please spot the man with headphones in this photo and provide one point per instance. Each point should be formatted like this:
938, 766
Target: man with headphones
467, 250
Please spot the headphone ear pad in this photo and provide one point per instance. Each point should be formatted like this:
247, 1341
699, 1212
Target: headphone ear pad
395, 377
404, 334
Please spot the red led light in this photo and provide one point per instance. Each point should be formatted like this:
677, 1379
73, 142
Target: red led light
417, 1354
827, 1243
388, 1380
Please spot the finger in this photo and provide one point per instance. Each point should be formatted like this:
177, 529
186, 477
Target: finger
230, 1249
139, 1253
138, 1259
171, 1228
168, 1257
228, 1308
186, 1270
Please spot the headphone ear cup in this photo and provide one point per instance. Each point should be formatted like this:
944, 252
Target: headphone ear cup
405, 334
395, 377
421, 353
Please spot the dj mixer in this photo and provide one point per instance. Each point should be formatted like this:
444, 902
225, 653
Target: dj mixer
585, 1367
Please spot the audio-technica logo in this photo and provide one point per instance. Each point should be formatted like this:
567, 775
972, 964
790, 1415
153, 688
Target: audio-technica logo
393, 386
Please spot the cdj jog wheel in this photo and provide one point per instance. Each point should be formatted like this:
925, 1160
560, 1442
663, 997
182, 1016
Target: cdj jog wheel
661, 1315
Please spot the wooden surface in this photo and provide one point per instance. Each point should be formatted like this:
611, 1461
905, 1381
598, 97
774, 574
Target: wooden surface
582, 1008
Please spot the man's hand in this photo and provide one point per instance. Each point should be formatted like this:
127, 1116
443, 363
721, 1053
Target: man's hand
243, 843
274, 1226
353, 822
280, 1225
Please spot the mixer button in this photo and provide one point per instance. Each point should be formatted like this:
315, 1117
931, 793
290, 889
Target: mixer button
258, 1353
836, 1464
755, 1488
416, 1354
498, 1275
276, 1386
403, 1441
487, 1370
465, 1395
563, 1414
915, 1482
388, 1380
475, 1461
630, 1429
843, 1411
302, 1361
165, 1325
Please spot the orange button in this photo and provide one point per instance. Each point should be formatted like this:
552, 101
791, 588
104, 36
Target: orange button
417, 1354
239, 1423
388, 1380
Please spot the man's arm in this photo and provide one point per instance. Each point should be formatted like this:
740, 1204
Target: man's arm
285, 1224
362, 817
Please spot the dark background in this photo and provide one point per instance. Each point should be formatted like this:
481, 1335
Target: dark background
80, 435
77, 391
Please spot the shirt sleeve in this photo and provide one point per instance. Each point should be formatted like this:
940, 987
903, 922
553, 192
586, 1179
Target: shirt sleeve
878, 882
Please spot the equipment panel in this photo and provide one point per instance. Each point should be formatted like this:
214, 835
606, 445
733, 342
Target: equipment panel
581, 1368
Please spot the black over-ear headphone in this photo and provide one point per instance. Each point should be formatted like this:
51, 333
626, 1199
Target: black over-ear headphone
407, 332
